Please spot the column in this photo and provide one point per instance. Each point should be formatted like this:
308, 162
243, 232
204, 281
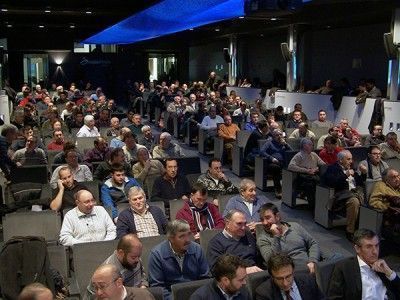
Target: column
232, 72
291, 68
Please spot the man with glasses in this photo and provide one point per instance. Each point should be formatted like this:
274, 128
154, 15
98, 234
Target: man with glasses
86, 222
285, 284
373, 166
332, 131
108, 284
391, 148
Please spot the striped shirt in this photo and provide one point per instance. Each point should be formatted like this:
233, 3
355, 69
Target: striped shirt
78, 227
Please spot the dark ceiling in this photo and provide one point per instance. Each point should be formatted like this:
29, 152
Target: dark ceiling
70, 18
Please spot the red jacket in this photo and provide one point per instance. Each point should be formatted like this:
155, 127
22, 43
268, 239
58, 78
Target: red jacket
186, 214
329, 158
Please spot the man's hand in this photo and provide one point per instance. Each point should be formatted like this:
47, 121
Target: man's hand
215, 202
276, 230
253, 269
252, 226
147, 165
350, 172
18, 164
197, 236
363, 168
185, 198
311, 267
381, 266
221, 176
275, 161
60, 185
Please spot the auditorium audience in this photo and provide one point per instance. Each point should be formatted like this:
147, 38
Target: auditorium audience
114, 127
372, 167
252, 123
302, 131
57, 144
166, 148
295, 120
322, 120
376, 137
131, 147
147, 138
390, 148
103, 170
30, 155
88, 129
117, 142
99, 153
252, 148
228, 132
335, 132
330, 151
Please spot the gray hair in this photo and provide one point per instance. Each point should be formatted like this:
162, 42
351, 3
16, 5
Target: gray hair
305, 141
230, 214
8, 128
342, 154
87, 119
136, 190
245, 183
275, 132
175, 226
145, 127
165, 135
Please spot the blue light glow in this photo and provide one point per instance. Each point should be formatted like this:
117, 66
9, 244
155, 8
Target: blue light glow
166, 17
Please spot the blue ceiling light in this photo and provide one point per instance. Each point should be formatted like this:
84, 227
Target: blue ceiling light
166, 17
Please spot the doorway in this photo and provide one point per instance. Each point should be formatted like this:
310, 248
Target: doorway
36, 68
162, 67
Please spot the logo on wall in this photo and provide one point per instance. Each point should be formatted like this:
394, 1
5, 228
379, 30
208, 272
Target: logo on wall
85, 61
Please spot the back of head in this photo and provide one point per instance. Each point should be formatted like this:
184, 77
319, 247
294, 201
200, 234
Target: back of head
35, 291
226, 266
176, 226
279, 260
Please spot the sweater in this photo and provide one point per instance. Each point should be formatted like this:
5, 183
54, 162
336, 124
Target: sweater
302, 162
237, 202
164, 190
381, 192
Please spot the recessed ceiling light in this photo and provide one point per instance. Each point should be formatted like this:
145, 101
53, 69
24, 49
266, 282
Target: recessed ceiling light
4, 9
241, 17
71, 26
328, 27
9, 25
262, 35
41, 26
274, 19
191, 29
88, 12
217, 29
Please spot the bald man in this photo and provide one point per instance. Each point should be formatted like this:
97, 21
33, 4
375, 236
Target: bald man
35, 291
108, 284
86, 222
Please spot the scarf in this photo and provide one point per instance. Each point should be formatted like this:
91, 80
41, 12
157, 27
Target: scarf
197, 214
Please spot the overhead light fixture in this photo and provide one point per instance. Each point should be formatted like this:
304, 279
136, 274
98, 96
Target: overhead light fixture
274, 19
41, 26
72, 26
47, 11
217, 29
191, 29
88, 12
4, 9
9, 25
241, 17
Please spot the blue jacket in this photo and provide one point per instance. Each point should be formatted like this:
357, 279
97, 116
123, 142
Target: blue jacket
272, 149
237, 202
212, 291
111, 196
126, 221
164, 269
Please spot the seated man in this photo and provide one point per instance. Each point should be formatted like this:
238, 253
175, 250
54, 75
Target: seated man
373, 166
80, 172
126, 258
306, 164
115, 189
295, 120
385, 197
229, 282
234, 239
302, 131
242, 111
228, 131
376, 137
348, 188
287, 237
140, 218
103, 170
131, 147
171, 185
88, 129
215, 180
198, 213
136, 126
30, 155
284, 283
252, 148
8, 135
58, 141
335, 132
247, 202
391, 148
59, 158
100, 152
274, 151
104, 118
252, 124
147, 138
330, 151
108, 283
86, 222
209, 123
146, 170
67, 187
322, 121
114, 128
177, 259
20, 143
365, 276
166, 148
126, 122
117, 142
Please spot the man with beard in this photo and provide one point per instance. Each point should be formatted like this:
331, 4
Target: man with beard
126, 258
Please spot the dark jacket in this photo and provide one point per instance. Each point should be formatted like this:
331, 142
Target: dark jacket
272, 149
334, 177
163, 190
211, 291
126, 221
305, 283
345, 283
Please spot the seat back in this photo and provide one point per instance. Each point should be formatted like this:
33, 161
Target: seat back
186, 289
45, 223
254, 280
394, 163
174, 207
294, 143
51, 154
84, 144
288, 156
358, 153
148, 244
189, 165
206, 236
159, 204
323, 274
242, 137
58, 255
87, 257
222, 202
93, 187
192, 178
38, 174
157, 292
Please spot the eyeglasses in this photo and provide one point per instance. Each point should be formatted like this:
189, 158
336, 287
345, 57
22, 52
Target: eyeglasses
283, 278
103, 286
375, 153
